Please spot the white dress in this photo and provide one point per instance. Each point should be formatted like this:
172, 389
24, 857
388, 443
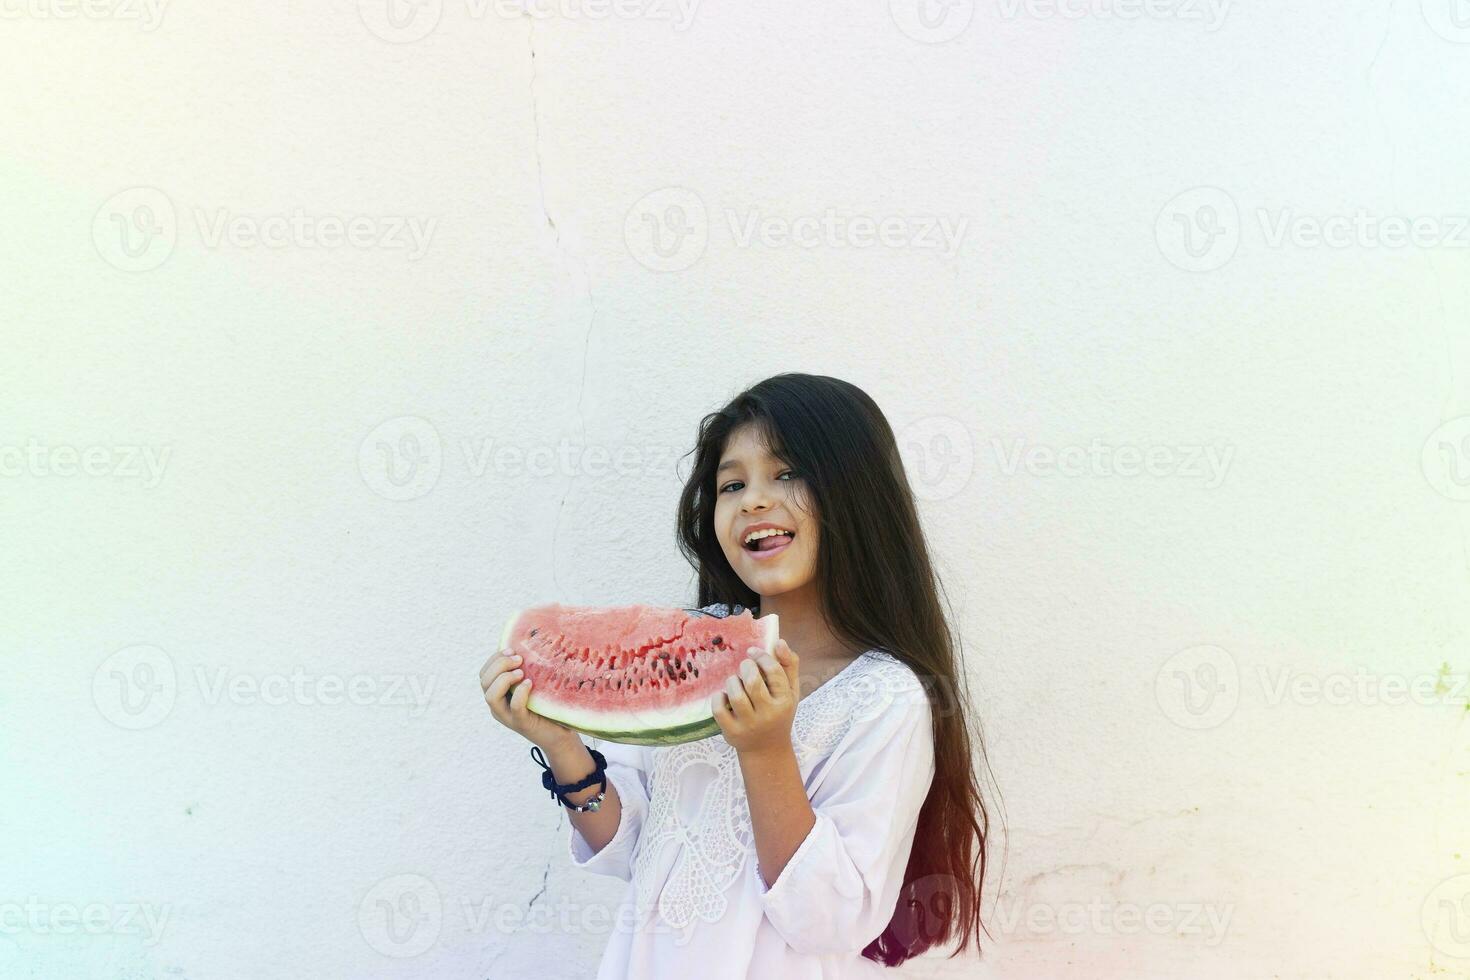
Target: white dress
697, 903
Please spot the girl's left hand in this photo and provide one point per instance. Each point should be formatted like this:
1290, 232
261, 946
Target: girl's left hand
756, 709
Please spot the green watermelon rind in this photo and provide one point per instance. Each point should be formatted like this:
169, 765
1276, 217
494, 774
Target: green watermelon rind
702, 723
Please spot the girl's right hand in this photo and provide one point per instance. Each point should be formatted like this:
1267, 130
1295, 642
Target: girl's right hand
496, 678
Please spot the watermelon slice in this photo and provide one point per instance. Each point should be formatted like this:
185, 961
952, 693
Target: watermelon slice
640, 675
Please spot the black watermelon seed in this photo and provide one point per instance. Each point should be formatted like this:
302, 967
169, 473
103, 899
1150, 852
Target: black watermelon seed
535, 630
718, 640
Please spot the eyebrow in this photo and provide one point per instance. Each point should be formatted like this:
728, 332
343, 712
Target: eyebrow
727, 464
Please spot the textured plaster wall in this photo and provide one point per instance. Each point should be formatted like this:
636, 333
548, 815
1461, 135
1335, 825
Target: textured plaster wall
259, 534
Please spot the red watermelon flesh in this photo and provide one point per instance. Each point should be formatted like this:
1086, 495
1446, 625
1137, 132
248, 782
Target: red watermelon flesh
641, 675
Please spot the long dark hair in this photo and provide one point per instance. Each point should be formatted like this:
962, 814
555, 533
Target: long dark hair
878, 590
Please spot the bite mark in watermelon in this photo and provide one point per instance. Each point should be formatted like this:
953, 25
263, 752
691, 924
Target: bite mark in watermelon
640, 675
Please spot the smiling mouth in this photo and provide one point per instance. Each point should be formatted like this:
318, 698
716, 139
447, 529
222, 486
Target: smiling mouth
769, 545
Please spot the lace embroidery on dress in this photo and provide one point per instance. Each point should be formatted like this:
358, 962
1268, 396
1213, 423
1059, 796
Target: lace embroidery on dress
713, 846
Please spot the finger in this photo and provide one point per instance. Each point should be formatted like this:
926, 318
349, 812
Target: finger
721, 708
789, 661
775, 677
740, 705
754, 683
519, 698
495, 692
490, 662
502, 660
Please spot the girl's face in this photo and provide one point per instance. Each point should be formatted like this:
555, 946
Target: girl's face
754, 490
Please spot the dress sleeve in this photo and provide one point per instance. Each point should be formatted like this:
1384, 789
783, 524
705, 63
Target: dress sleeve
627, 769
839, 890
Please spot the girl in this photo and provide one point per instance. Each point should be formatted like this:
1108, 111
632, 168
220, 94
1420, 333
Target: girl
835, 823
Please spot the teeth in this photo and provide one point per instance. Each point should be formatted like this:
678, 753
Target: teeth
757, 535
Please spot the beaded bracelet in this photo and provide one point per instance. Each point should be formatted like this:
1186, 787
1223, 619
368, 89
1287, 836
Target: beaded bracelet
599, 775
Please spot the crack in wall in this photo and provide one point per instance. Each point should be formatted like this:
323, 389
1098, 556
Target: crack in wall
576, 268
536, 133
1071, 832
545, 873
1114, 874
546, 869
1382, 41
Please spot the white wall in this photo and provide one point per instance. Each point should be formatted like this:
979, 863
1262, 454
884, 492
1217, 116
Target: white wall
540, 306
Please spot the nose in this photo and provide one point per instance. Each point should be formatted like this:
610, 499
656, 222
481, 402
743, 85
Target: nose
754, 499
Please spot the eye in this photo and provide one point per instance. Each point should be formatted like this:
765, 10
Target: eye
736, 483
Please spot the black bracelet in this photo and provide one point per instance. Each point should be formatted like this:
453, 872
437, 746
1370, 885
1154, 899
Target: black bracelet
558, 790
